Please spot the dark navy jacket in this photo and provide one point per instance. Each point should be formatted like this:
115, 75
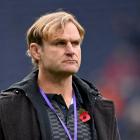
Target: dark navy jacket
22, 115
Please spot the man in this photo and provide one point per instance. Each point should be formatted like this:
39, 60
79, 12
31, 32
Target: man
52, 103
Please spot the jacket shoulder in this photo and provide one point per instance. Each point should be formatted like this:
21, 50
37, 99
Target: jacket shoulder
7, 95
10, 98
17, 114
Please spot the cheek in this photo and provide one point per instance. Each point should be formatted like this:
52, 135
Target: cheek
79, 53
80, 57
52, 56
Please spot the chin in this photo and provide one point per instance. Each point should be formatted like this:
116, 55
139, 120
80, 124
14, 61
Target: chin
71, 72
67, 70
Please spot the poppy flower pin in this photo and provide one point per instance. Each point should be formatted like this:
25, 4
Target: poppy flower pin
84, 115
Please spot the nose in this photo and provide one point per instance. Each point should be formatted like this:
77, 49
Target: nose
69, 48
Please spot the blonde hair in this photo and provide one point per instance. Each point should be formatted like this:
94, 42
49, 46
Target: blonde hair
47, 25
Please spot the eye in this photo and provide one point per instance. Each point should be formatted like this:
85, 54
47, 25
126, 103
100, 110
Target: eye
75, 43
60, 43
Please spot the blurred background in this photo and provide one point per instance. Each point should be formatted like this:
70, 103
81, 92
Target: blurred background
111, 49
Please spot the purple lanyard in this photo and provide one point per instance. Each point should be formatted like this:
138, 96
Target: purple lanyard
62, 123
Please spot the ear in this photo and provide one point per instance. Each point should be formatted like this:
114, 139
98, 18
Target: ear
35, 51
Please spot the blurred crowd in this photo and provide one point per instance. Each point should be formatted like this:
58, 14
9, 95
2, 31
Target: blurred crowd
120, 81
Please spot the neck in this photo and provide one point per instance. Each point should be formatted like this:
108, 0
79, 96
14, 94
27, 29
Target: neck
56, 84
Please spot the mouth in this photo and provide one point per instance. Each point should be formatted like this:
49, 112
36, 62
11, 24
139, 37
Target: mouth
70, 61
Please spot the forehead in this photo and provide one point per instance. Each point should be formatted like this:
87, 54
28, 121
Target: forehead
69, 31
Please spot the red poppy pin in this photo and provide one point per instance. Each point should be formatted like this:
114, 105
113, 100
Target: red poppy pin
84, 115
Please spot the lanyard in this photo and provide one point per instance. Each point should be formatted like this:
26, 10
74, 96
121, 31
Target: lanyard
62, 123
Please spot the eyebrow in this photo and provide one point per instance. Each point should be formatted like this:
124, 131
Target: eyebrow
65, 40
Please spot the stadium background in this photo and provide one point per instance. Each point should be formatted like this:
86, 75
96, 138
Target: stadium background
111, 49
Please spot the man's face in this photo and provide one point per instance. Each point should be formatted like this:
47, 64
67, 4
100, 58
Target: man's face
61, 54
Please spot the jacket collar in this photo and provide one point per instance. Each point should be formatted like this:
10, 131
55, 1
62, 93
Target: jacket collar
29, 87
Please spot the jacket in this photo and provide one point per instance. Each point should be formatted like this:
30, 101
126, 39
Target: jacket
21, 109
